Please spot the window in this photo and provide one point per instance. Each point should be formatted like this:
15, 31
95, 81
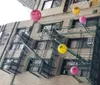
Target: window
80, 43
2, 31
11, 65
56, 3
68, 63
21, 46
35, 67
76, 24
2, 39
90, 22
22, 30
76, 1
51, 4
40, 45
47, 4
17, 46
56, 26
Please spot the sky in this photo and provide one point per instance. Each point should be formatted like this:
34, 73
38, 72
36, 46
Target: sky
11, 11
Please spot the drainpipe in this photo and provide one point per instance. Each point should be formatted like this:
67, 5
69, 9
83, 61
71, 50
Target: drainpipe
12, 80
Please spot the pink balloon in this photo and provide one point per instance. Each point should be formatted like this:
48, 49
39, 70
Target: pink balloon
74, 70
82, 20
35, 15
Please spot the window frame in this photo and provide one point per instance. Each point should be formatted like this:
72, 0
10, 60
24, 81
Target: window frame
83, 43
73, 1
68, 63
52, 24
2, 31
45, 3
51, 4
40, 42
74, 21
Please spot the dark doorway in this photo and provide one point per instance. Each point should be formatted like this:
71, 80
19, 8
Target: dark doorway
28, 67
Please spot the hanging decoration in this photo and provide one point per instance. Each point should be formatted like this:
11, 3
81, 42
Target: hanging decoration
35, 15
82, 20
76, 10
62, 48
74, 70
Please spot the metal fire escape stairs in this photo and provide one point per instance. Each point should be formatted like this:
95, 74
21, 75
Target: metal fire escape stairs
83, 61
43, 68
13, 64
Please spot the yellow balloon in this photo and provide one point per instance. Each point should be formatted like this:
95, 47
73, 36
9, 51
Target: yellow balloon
76, 10
62, 48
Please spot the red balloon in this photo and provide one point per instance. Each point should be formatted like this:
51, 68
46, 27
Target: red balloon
74, 70
35, 15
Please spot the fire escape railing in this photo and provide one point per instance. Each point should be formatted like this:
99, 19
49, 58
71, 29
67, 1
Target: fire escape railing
43, 69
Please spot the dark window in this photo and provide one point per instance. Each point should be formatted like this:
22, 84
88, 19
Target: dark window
2, 30
76, 24
42, 45
76, 1
51, 4
23, 30
68, 63
56, 26
41, 67
66, 5
2, 35
11, 64
80, 42
17, 46
90, 22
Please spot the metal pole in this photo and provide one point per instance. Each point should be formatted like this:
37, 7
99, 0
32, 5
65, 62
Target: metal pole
12, 80
77, 55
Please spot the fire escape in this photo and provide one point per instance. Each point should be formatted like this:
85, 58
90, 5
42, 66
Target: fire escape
39, 66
